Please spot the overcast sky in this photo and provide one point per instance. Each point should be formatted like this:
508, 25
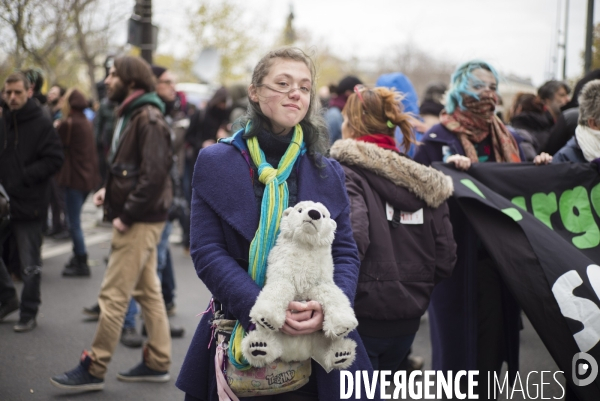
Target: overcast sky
516, 36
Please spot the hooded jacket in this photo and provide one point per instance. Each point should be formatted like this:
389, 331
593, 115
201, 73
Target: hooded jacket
81, 169
30, 152
400, 262
138, 187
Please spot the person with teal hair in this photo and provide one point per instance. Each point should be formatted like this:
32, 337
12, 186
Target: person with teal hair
474, 319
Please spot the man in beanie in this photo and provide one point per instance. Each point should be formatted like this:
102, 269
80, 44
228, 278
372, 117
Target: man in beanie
333, 116
136, 199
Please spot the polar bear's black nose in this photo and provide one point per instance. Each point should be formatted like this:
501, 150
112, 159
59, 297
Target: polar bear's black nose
313, 214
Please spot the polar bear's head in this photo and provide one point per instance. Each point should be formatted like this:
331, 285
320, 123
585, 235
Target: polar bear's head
309, 223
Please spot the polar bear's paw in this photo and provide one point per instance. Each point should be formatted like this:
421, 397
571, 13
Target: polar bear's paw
260, 350
341, 354
263, 315
337, 325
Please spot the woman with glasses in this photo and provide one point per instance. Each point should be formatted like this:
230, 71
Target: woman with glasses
399, 220
280, 148
474, 319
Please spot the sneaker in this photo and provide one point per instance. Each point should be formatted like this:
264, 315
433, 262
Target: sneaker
93, 312
79, 378
142, 373
130, 338
25, 325
9, 307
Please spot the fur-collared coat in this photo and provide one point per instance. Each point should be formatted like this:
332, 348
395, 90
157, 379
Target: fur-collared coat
400, 262
224, 222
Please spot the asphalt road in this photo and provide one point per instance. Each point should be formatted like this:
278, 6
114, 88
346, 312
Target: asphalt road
28, 360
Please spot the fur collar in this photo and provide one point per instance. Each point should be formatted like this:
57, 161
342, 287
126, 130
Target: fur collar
426, 183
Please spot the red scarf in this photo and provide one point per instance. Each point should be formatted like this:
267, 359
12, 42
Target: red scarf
381, 140
478, 121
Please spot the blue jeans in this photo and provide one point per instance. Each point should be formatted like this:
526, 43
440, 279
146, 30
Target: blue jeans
132, 310
165, 264
74, 200
387, 353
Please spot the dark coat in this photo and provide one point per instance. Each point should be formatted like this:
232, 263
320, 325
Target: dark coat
453, 308
80, 170
537, 124
562, 131
224, 222
138, 188
30, 153
400, 263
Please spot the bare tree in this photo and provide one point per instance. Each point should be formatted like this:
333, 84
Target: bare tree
38, 28
92, 34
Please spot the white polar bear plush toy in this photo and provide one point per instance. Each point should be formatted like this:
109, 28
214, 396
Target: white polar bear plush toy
300, 268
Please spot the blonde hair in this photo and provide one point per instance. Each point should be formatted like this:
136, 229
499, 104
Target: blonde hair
66, 106
371, 114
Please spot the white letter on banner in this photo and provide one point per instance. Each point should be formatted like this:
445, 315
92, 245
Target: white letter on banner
580, 309
346, 390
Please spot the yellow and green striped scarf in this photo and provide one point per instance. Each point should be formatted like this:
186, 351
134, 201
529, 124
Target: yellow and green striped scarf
274, 202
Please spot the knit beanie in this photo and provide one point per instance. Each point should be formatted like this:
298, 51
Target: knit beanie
347, 84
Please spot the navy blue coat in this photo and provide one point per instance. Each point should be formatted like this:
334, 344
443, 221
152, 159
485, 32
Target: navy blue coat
224, 222
571, 152
453, 307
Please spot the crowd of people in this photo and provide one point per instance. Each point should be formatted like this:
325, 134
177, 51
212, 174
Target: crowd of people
364, 152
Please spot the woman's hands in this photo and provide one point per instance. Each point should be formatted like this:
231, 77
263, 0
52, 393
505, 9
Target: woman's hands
303, 318
461, 162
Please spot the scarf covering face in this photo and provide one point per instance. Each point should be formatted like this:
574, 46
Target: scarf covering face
589, 142
478, 121
274, 202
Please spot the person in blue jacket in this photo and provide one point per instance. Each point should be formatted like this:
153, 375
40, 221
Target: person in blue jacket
283, 127
474, 319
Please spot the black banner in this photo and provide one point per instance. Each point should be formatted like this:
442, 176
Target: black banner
541, 224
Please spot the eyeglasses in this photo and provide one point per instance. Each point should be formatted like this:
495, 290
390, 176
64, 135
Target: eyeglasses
302, 89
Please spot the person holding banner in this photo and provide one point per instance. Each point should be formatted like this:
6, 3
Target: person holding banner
474, 319
400, 222
584, 147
